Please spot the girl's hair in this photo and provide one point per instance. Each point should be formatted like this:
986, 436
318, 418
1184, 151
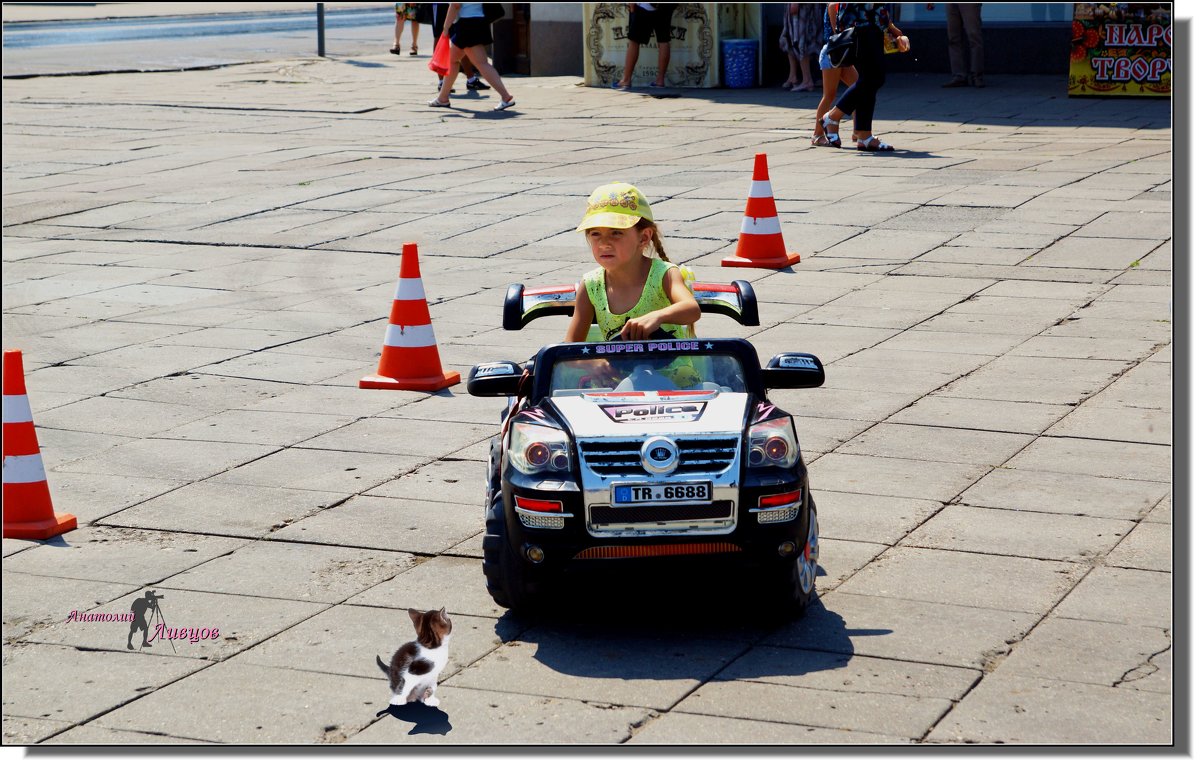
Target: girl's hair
655, 239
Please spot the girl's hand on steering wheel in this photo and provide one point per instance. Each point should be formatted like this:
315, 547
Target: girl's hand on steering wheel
641, 327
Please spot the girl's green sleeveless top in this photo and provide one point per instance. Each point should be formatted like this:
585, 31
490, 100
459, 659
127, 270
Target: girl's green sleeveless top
609, 324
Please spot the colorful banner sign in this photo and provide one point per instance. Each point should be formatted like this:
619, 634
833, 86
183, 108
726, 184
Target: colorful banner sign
1121, 49
696, 32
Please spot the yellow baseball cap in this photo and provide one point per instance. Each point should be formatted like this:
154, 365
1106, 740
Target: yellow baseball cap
615, 205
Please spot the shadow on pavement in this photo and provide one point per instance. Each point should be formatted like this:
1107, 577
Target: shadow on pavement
425, 719
658, 620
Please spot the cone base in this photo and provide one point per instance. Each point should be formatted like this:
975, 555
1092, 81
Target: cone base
419, 384
771, 262
41, 529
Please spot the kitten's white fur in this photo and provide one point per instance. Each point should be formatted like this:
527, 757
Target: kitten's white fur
423, 686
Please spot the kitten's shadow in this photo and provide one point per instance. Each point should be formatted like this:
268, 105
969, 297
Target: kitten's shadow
425, 719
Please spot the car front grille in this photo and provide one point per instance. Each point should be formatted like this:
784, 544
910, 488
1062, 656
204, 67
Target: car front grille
623, 458
637, 515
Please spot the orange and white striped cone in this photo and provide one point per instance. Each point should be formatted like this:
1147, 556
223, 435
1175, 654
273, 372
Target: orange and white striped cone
410, 357
760, 244
28, 511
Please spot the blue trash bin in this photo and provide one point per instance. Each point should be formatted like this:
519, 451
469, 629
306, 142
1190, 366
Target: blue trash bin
739, 62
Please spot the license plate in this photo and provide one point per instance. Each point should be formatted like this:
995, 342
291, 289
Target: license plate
679, 492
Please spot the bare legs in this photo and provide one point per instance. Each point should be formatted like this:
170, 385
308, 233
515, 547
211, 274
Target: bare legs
416, 29
791, 80
806, 71
477, 56
829, 83
633, 50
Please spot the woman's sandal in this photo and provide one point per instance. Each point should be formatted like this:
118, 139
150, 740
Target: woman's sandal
877, 145
820, 140
832, 136
394, 51
412, 51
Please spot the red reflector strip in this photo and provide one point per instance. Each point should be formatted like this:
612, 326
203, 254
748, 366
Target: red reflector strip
713, 287
660, 549
779, 499
533, 504
548, 290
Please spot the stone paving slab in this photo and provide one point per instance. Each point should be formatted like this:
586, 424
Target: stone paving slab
441, 482
896, 477
1146, 547
34, 601
632, 670
305, 468
111, 679
890, 714
678, 727
937, 444
803, 668
452, 582
1078, 494
344, 640
872, 518
27, 731
490, 717
321, 574
96, 734
1021, 710
118, 555
1124, 460
1028, 534
1115, 595
1082, 651
905, 629
242, 621
936, 411
1031, 585
275, 706
416, 527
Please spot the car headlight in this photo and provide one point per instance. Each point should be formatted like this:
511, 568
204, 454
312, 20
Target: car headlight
773, 443
535, 449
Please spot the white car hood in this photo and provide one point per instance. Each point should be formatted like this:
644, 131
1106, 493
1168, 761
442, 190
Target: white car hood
637, 414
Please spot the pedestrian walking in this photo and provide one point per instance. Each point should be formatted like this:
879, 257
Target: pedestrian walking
964, 30
830, 77
870, 22
470, 33
474, 82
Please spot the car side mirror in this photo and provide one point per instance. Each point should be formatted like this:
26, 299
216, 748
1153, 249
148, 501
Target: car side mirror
499, 379
793, 370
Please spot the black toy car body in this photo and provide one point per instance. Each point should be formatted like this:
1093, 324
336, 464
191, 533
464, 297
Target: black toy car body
665, 447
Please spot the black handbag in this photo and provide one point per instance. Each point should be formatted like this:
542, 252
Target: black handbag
493, 12
843, 48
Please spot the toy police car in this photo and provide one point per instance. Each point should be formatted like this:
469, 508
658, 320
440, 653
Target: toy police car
610, 452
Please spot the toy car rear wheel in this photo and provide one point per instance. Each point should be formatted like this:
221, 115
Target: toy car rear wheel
509, 580
795, 584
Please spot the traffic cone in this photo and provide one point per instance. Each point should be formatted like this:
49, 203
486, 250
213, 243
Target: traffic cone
410, 356
28, 512
760, 244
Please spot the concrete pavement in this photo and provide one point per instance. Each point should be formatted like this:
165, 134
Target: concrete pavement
198, 266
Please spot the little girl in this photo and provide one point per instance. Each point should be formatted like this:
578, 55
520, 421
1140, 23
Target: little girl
633, 294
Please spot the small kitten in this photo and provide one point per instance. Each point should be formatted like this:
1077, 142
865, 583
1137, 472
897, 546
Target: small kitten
416, 665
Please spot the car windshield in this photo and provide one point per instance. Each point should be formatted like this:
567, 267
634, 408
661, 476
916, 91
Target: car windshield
647, 373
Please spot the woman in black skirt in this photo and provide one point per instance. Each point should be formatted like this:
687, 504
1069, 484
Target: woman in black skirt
870, 22
470, 34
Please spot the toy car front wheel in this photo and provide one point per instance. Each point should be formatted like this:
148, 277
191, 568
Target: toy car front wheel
509, 580
795, 584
